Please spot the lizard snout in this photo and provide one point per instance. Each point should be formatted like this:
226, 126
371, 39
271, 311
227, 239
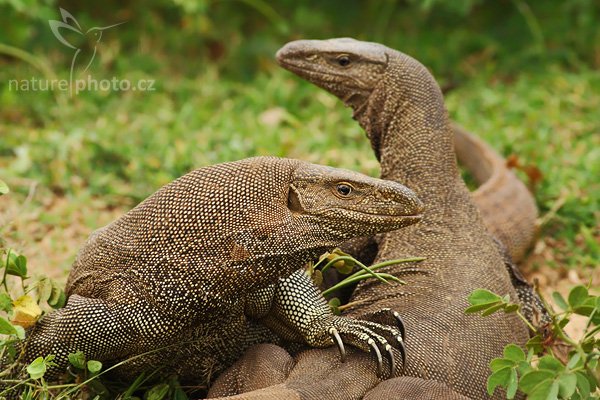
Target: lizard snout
397, 199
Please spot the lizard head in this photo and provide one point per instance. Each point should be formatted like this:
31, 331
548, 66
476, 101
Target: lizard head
348, 68
383, 86
350, 202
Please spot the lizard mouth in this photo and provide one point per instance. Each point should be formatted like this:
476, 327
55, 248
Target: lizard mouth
389, 217
400, 217
380, 223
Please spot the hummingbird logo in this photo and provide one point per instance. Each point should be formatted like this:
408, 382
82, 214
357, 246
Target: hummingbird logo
68, 27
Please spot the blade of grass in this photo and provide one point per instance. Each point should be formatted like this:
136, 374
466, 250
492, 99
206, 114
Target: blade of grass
388, 263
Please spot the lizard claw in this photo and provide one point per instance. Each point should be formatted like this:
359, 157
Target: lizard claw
338, 341
388, 348
400, 325
368, 336
378, 333
402, 351
375, 349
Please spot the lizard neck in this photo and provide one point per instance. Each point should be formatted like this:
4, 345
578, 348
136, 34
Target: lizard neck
407, 124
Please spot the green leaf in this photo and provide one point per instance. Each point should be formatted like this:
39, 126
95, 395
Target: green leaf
157, 392
17, 266
577, 296
334, 304
547, 390
593, 362
550, 363
37, 368
511, 389
492, 309
77, 359
3, 188
57, 297
514, 353
511, 308
524, 367
44, 289
483, 296
560, 301
499, 363
94, 366
5, 302
344, 267
567, 383
588, 346
6, 328
531, 380
573, 361
478, 307
584, 309
20, 332
583, 385
501, 377
49, 360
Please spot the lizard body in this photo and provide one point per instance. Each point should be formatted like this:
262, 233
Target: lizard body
400, 106
205, 265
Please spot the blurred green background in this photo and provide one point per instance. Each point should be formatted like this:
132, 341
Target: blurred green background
522, 74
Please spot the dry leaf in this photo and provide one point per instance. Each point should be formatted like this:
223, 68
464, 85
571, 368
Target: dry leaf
26, 311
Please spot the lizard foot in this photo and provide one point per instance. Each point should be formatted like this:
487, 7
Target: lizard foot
371, 336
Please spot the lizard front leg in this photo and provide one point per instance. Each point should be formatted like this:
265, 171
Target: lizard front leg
299, 313
101, 329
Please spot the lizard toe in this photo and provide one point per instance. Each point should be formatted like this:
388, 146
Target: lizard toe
388, 317
377, 353
338, 341
369, 337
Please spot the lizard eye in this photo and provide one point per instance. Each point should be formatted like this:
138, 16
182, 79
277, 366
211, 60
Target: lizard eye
343, 60
344, 189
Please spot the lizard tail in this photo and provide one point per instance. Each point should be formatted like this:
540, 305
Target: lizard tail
506, 205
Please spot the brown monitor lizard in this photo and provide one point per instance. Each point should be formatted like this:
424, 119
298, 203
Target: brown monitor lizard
400, 106
205, 266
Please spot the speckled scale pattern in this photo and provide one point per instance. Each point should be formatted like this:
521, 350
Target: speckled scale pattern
196, 266
300, 314
400, 106
405, 119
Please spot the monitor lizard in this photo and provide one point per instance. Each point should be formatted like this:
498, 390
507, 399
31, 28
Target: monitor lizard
400, 106
209, 265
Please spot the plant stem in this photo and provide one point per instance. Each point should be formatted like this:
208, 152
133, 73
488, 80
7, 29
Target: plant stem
348, 258
351, 304
25, 382
388, 263
529, 325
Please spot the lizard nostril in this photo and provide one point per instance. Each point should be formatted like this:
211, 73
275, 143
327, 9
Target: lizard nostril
419, 206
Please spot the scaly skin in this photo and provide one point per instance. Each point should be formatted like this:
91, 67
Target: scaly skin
507, 207
400, 106
205, 264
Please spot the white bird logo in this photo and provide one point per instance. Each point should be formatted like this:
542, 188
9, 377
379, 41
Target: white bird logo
70, 23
